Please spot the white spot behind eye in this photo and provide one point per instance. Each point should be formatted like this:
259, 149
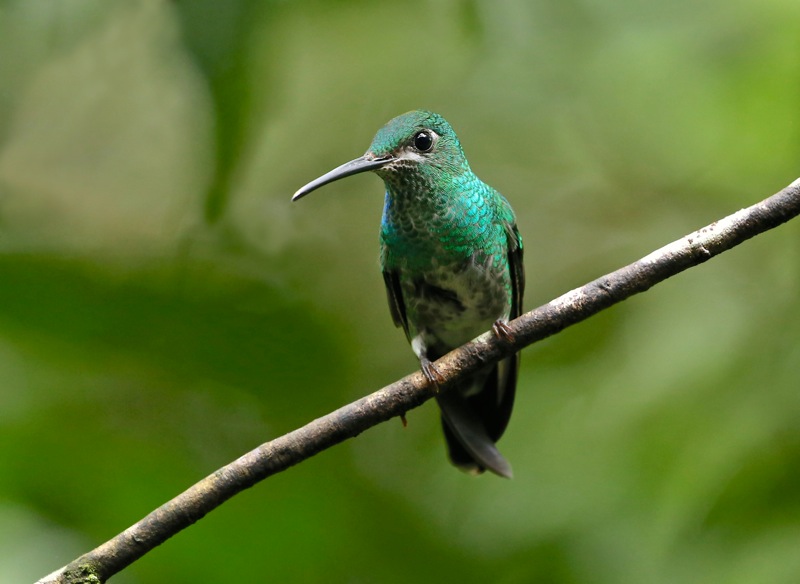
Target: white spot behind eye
409, 153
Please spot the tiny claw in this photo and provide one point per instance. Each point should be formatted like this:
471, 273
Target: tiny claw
403, 420
432, 374
503, 331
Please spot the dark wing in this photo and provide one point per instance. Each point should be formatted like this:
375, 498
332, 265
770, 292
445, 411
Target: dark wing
507, 370
516, 268
395, 296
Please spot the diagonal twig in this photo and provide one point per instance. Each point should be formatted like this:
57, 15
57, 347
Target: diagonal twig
394, 400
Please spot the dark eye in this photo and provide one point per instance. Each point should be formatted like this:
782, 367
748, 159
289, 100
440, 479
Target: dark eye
423, 140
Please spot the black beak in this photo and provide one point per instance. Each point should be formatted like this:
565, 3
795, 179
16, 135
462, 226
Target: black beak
360, 164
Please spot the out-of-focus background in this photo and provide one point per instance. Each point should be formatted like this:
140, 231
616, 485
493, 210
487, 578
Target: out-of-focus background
165, 308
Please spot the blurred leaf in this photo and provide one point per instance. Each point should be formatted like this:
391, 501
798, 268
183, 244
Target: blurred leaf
220, 37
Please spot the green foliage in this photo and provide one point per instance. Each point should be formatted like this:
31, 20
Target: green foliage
164, 308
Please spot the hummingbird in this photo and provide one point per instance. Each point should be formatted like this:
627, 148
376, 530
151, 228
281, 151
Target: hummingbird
451, 256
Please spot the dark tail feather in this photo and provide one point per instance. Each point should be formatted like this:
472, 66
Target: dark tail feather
469, 443
494, 402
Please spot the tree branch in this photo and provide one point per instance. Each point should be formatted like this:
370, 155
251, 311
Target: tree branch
411, 391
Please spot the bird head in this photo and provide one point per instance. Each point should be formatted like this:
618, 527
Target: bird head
417, 142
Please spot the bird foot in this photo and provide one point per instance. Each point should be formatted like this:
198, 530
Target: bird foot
432, 374
503, 331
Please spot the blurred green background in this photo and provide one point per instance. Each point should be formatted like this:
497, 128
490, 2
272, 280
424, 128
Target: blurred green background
164, 308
